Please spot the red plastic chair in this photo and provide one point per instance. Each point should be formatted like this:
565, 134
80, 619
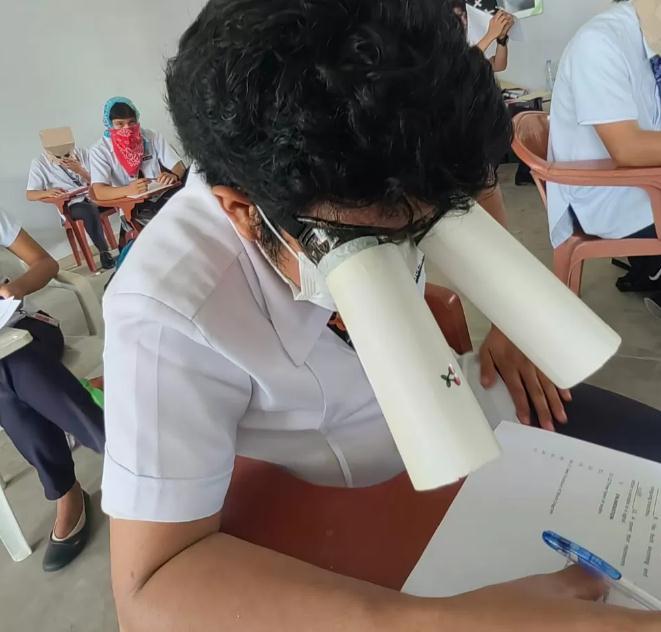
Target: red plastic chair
375, 534
531, 140
75, 231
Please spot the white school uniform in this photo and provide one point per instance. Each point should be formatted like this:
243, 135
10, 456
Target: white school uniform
46, 175
106, 169
605, 76
208, 356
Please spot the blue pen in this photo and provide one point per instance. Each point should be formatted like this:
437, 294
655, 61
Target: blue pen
581, 556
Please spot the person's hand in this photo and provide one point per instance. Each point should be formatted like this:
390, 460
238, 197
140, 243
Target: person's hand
138, 187
523, 380
7, 291
546, 603
167, 178
53, 193
508, 23
73, 164
499, 22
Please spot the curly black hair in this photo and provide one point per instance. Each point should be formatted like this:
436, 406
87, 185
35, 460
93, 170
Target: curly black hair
351, 103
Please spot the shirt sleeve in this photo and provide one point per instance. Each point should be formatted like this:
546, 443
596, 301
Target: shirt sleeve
9, 229
84, 157
167, 156
36, 178
99, 167
172, 408
601, 82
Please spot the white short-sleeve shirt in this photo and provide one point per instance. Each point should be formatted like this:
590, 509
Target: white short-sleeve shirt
106, 169
208, 356
9, 229
605, 76
46, 175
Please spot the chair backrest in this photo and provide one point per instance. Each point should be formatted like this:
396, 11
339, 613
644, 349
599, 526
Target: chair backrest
375, 534
531, 135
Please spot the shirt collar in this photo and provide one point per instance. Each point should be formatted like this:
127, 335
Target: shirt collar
298, 324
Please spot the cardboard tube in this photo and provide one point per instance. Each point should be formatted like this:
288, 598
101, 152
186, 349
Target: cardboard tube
435, 420
559, 333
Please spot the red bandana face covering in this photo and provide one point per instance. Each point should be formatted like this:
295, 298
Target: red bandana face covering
129, 148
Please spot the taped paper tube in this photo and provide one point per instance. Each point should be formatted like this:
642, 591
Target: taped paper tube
438, 426
559, 333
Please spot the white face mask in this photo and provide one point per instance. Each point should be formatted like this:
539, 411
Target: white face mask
313, 284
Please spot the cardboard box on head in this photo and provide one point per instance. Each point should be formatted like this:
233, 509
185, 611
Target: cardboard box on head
649, 14
57, 142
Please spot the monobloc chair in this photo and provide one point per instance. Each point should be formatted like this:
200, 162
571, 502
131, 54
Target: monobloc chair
531, 142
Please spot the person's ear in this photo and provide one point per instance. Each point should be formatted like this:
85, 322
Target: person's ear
239, 209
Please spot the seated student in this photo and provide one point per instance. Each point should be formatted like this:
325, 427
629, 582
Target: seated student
51, 176
40, 401
499, 29
606, 104
301, 114
129, 157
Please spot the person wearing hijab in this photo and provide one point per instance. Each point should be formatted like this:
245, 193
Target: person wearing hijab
129, 157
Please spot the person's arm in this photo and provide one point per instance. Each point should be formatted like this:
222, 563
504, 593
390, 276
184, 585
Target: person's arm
104, 192
38, 196
496, 26
73, 164
500, 59
41, 268
170, 577
169, 158
500, 357
630, 146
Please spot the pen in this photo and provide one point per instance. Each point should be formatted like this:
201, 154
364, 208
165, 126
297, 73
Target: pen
581, 556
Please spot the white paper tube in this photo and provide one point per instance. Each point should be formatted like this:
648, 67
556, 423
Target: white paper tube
559, 333
437, 424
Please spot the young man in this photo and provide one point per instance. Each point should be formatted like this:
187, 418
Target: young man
52, 176
128, 158
40, 400
368, 117
606, 104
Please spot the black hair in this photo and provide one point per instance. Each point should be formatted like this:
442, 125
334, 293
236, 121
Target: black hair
458, 4
351, 103
122, 111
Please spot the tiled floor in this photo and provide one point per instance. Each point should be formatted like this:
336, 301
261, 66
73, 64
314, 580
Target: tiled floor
79, 600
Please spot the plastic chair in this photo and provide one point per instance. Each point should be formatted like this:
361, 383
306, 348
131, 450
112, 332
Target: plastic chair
531, 140
375, 534
82, 356
76, 235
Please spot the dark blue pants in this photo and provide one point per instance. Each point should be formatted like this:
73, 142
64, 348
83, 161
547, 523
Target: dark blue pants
91, 216
645, 266
40, 400
613, 421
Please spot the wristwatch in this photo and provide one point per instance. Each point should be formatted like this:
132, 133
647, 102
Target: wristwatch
502, 41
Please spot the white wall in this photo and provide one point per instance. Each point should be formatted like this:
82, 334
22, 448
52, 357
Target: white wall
547, 35
60, 61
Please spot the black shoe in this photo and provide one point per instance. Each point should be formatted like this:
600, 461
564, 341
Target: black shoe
523, 178
60, 554
107, 261
637, 283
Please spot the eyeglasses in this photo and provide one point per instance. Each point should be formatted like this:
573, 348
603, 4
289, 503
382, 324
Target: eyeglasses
318, 237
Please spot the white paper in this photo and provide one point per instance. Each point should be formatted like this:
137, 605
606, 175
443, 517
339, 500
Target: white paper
604, 500
8, 308
153, 187
557, 331
478, 25
436, 422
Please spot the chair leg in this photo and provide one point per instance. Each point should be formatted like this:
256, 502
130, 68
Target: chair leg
562, 261
576, 277
78, 228
74, 246
110, 235
10, 532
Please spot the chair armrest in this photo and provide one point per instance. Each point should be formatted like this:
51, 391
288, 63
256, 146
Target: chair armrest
89, 302
601, 173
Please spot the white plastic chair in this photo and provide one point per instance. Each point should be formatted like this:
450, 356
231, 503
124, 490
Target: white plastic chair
82, 323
